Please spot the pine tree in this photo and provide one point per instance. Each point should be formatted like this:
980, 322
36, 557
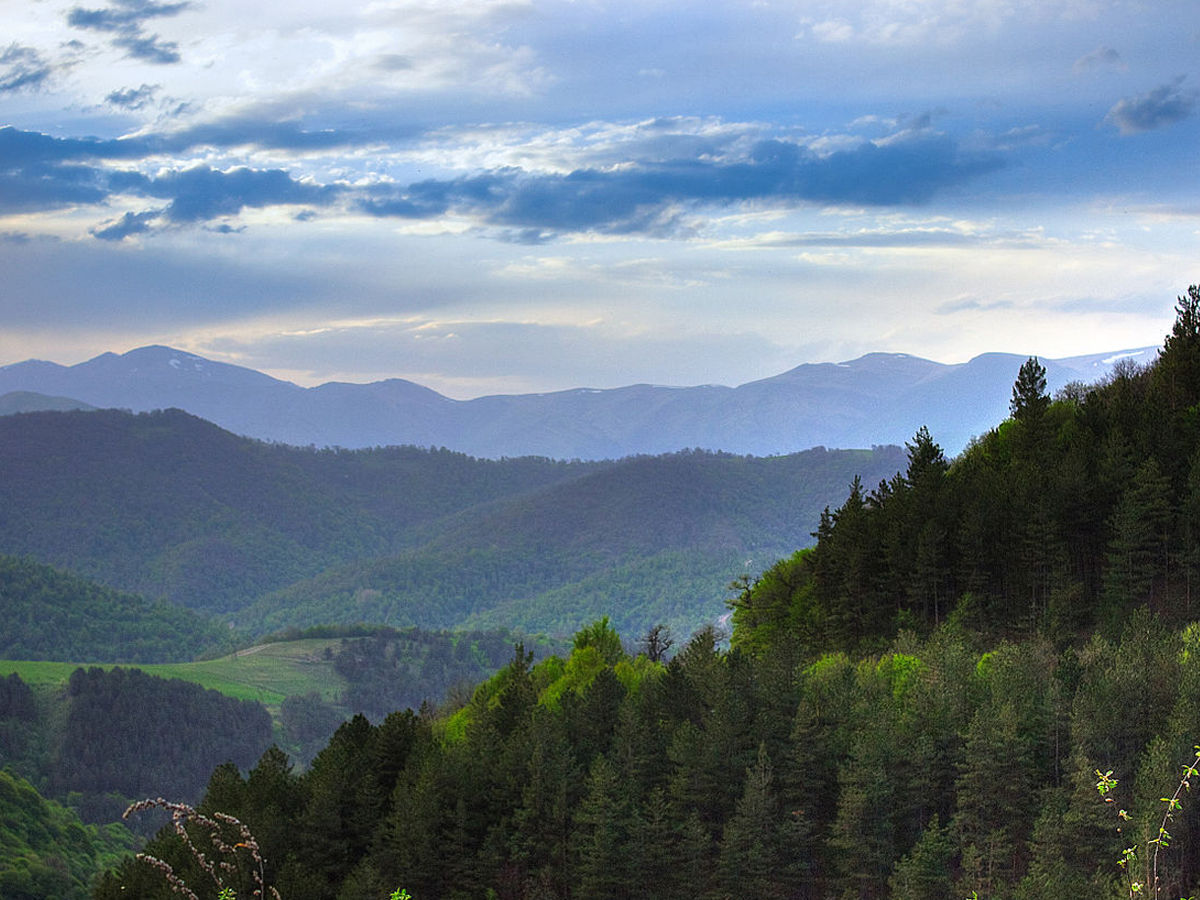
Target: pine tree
600, 839
924, 873
995, 795
1177, 378
1029, 398
749, 860
1137, 550
541, 825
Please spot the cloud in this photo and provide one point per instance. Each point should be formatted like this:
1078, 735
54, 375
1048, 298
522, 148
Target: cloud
657, 194
972, 303
22, 148
132, 98
393, 62
22, 67
1163, 106
148, 48
42, 173
655, 197
202, 193
130, 223
38, 187
19, 147
123, 15
124, 19
1100, 58
251, 130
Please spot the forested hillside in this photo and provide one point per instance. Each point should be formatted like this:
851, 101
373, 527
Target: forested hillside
169, 506
1066, 517
267, 536
45, 851
933, 769
919, 707
645, 540
50, 614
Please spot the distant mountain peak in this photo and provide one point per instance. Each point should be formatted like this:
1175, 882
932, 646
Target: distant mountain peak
163, 354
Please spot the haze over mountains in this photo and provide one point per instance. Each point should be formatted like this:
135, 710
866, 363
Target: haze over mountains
880, 398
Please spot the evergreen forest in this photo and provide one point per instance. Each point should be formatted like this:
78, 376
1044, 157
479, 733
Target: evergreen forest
917, 707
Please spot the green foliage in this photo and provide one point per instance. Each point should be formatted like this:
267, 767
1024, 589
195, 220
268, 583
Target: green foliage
1029, 398
1140, 867
925, 872
45, 851
933, 769
104, 737
51, 614
166, 504
134, 734
601, 636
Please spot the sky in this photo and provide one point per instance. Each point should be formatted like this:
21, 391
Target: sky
488, 196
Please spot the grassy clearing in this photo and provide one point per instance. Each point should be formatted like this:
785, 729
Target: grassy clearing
267, 672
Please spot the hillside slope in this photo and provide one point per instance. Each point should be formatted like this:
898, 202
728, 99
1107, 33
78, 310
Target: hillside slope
270, 536
50, 614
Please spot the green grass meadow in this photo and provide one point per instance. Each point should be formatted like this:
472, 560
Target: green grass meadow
266, 672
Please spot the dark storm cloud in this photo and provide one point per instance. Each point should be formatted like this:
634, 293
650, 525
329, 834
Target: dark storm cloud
17, 145
39, 172
201, 194
21, 148
124, 19
41, 187
651, 198
22, 67
1163, 106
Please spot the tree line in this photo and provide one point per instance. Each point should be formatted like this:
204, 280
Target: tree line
938, 767
1065, 518
122, 734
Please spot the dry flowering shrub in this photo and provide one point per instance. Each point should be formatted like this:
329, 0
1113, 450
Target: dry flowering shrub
208, 839
221, 845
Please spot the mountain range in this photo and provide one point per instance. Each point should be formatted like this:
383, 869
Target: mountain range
880, 398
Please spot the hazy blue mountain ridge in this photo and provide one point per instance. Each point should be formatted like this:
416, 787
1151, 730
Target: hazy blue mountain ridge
880, 398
